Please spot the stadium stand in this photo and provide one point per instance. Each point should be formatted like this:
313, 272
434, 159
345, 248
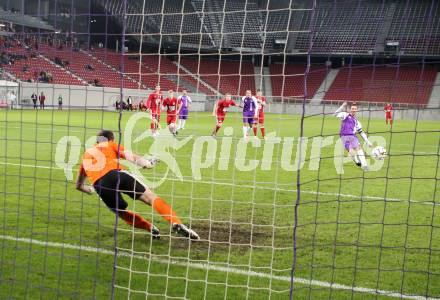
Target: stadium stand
402, 84
133, 68
288, 80
86, 66
225, 76
409, 26
152, 69
276, 27
26, 65
338, 29
361, 28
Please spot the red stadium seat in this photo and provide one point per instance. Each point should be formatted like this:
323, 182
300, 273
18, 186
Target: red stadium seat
404, 84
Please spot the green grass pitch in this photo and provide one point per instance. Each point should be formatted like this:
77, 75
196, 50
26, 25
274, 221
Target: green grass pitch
347, 233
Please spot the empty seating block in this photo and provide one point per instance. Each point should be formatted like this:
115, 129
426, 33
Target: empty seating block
404, 84
77, 62
224, 76
288, 80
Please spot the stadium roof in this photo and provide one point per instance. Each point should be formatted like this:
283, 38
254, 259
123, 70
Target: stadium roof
24, 20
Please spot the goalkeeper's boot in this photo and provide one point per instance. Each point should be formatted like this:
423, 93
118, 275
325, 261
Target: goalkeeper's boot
358, 164
155, 232
183, 230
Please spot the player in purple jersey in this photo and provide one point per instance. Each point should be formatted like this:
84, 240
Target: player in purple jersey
184, 101
349, 127
250, 105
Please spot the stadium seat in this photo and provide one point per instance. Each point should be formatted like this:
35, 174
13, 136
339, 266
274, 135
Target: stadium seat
288, 80
404, 84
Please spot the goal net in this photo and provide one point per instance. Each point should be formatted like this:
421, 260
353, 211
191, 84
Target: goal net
302, 148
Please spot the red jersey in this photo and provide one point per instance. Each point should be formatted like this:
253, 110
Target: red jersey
171, 105
388, 108
223, 105
261, 105
154, 102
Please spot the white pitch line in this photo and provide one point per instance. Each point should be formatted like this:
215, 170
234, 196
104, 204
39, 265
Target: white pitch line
294, 142
422, 202
48, 129
212, 267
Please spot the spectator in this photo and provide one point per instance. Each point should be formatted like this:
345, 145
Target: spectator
142, 106
42, 98
58, 61
13, 99
34, 100
90, 67
120, 105
60, 102
96, 82
129, 103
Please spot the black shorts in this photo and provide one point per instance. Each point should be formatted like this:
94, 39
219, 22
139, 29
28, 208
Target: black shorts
106, 187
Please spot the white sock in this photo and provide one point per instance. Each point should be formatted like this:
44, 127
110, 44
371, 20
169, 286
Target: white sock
180, 124
245, 130
183, 124
361, 156
354, 157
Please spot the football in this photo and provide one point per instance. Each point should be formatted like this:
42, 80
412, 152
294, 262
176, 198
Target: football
379, 153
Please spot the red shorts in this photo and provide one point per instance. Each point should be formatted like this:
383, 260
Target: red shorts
260, 118
220, 119
155, 116
388, 116
171, 118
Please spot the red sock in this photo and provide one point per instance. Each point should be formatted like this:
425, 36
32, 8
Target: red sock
262, 131
217, 128
166, 211
152, 126
255, 130
135, 220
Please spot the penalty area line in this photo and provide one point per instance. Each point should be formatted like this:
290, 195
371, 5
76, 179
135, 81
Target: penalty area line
279, 189
211, 267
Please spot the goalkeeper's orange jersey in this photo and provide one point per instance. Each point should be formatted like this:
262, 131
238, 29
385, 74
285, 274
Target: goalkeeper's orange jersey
101, 159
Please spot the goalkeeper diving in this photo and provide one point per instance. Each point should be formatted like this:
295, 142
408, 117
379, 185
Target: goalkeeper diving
349, 127
100, 164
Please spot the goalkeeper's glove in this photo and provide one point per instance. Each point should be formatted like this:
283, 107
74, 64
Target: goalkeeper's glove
151, 163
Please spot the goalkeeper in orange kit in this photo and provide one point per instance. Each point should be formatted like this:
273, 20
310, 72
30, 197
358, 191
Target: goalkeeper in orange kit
100, 164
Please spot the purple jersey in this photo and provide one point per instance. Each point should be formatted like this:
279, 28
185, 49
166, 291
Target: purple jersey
184, 102
249, 105
349, 125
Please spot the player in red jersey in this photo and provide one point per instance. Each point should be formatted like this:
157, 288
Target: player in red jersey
261, 100
154, 103
171, 104
220, 110
388, 113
